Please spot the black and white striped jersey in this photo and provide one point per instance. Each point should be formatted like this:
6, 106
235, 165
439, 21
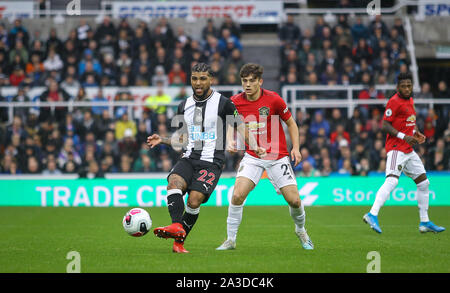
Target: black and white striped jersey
205, 124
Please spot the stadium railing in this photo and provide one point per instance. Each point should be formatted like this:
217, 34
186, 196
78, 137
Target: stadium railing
291, 93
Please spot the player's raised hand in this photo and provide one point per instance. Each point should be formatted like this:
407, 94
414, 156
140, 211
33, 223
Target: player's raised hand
261, 152
296, 156
153, 140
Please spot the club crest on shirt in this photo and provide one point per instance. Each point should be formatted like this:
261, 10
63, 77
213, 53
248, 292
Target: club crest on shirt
264, 111
411, 118
399, 167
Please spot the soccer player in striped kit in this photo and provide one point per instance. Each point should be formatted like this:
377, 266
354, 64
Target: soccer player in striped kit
204, 116
399, 122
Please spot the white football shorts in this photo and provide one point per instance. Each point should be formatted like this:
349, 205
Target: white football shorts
410, 164
279, 172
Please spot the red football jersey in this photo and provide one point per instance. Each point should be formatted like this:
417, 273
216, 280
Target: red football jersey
263, 119
402, 115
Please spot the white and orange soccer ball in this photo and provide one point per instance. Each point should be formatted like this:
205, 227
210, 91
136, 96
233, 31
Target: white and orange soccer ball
137, 222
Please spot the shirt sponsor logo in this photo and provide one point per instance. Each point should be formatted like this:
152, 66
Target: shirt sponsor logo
196, 134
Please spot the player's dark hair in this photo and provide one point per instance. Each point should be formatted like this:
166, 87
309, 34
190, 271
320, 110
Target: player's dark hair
202, 67
251, 69
404, 76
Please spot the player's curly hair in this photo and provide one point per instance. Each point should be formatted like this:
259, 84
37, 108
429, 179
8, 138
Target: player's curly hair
202, 67
251, 69
404, 76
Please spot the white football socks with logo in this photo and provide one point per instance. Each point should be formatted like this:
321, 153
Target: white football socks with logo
383, 193
234, 220
298, 215
423, 197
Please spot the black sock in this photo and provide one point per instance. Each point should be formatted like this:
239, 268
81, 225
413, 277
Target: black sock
188, 221
175, 203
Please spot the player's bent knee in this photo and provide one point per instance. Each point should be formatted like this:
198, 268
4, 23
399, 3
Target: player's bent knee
423, 185
176, 182
195, 199
296, 203
391, 181
237, 199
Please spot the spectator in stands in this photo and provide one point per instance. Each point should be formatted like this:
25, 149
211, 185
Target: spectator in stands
143, 76
19, 49
227, 43
51, 168
123, 124
155, 103
209, 29
329, 74
362, 51
443, 91
127, 144
53, 94
359, 30
290, 34
53, 61
105, 32
160, 78
18, 33
177, 71
162, 59
17, 76
68, 153
319, 122
339, 133
308, 170
229, 24
343, 42
378, 23
425, 93
3, 35
140, 39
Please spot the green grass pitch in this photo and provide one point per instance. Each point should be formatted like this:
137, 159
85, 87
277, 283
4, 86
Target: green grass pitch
37, 240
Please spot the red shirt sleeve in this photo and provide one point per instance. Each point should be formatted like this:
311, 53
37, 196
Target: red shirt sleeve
389, 113
281, 109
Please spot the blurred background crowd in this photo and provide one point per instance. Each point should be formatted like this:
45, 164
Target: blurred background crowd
92, 141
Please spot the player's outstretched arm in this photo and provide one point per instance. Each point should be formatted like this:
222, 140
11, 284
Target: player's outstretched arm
154, 140
388, 128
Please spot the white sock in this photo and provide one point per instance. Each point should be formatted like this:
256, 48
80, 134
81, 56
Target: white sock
423, 197
383, 193
234, 220
298, 215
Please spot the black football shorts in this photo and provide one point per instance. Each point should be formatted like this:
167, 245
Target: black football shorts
199, 175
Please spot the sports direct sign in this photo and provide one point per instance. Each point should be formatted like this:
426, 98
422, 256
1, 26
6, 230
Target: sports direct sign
242, 12
16, 9
326, 191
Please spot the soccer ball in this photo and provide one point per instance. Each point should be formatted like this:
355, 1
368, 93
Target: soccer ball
137, 222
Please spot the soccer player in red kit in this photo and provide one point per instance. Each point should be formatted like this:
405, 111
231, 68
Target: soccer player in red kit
399, 122
261, 111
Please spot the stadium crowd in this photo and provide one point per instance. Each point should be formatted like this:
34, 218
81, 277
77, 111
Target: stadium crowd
92, 141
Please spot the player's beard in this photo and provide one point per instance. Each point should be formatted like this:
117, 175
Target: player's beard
203, 96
